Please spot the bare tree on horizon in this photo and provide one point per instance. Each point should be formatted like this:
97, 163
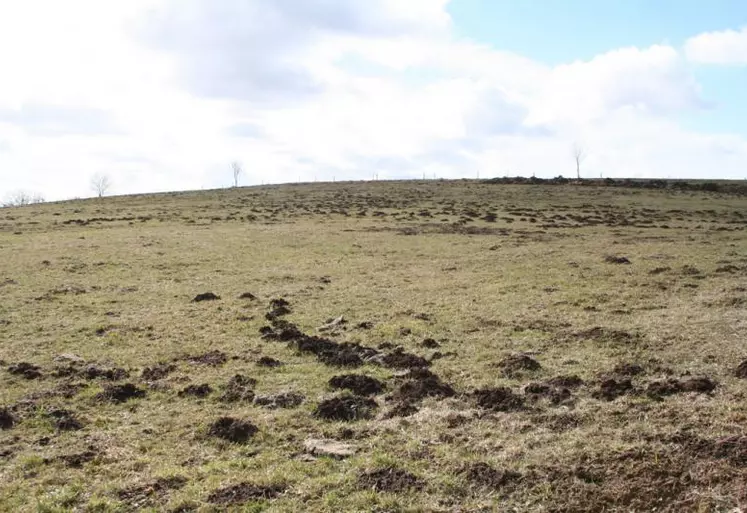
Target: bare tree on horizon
21, 198
579, 154
236, 168
100, 184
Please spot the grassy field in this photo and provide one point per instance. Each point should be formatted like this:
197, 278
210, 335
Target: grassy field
523, 348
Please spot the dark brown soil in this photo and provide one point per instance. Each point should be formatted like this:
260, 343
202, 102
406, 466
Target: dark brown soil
107, 373
7, 420
628, 369
202, 390
278, 308
402, 409
346, 408
282, 331
430, 343
239, 388
249, 296
365, 325
611, 259
663, 388
483, 475
538, 391
25, 370
64, 420
158, 371
284, 400
516, 365
214, 358
498, 399
607, 335
233, 430
389, 479
120, 393
610, 389
245, 492
145, 495
421, 383
399, 359
205, 296
571, 382
78, 459
357, 383
741, 370
266, 361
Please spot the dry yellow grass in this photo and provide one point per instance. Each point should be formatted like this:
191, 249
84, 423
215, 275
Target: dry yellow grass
112, 281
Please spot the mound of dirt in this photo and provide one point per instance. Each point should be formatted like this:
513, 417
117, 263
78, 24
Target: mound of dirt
663, 388
357, 383
107, 373
249, 296
120, 393
25, 370
282, 331
157, 372
346, 408
483, 475
239, 388
245, 492
498, 399
610, 389
518, 364
430, 343
141, 496
607, 335
538, 391
421, 383
266, 361
399, 359
205, 296
365, 325
278, 308
570, 382
202, 390
78, 459
402, 409
7, 420
213, 358
64, 420
741, 370
284, 400
628, 369
611, 259
389, 479
233, 430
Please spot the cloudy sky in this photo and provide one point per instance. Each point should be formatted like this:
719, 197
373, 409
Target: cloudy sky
165, 94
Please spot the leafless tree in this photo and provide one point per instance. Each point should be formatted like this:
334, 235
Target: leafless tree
100, 184
237, 170
579, 154
21, 198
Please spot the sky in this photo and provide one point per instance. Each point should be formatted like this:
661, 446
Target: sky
163, 95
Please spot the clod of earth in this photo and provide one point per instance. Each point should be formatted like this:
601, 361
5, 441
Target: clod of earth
278, 308
611, 259
663, 388
7, 420
402, 409
266, 361
399, 359
120, 393
483, 475
202, 390
346, 408
556, 395
610, 389
64, 420
741, 370
430, 343
498, 399
365, 325
239, 388
515, 365
249, 296
205, 296
284, 400
282, 331
389, 479
233, 430
421, 383
26, 370
357, 383
328, 448
571, 382
107, 373
245, 492
157, 372
213, 358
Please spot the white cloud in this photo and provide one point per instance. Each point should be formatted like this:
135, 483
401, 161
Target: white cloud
164, 94
727, 47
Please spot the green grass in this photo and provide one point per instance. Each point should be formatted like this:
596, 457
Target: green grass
112, 280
